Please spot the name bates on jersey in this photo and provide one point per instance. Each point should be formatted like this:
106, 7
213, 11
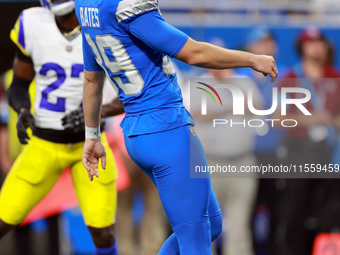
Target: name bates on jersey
90, 17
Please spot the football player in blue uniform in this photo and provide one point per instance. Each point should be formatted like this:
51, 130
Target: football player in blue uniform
129, 41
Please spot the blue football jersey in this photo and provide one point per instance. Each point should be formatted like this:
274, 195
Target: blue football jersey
131, 42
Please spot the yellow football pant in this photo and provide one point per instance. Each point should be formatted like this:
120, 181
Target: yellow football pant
37, 169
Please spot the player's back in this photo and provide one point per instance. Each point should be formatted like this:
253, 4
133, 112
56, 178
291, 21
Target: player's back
144, 77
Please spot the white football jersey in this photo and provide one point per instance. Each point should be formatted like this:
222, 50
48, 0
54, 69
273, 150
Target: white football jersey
58, 65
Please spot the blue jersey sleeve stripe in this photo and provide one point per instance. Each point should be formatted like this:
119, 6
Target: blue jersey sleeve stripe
21, 37
129, 8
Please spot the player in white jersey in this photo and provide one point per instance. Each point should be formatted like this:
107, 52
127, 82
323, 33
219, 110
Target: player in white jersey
57, 64
50, 50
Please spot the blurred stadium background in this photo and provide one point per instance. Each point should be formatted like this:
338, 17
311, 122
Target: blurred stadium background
232, 22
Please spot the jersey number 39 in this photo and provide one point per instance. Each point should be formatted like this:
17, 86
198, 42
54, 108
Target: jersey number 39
117, 63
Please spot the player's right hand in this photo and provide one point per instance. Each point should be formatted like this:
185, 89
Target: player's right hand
266, 65
92, 152
25, 120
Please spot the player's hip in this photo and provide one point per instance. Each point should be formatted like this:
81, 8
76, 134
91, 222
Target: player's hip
160, 148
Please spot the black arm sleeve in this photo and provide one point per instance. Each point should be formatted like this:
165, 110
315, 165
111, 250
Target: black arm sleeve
18, 96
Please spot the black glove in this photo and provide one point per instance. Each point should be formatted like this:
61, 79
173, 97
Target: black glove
25, 120
74, 121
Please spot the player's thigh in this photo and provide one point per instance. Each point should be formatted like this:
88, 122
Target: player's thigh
198, 158
167, 156
131, 148
97, 199
31, 177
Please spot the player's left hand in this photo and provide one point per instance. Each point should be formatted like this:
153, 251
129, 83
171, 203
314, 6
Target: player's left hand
74, 121
25, 120
93, 151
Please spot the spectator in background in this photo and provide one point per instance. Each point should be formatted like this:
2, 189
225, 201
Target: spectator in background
260, 40
310, 142
229, 146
